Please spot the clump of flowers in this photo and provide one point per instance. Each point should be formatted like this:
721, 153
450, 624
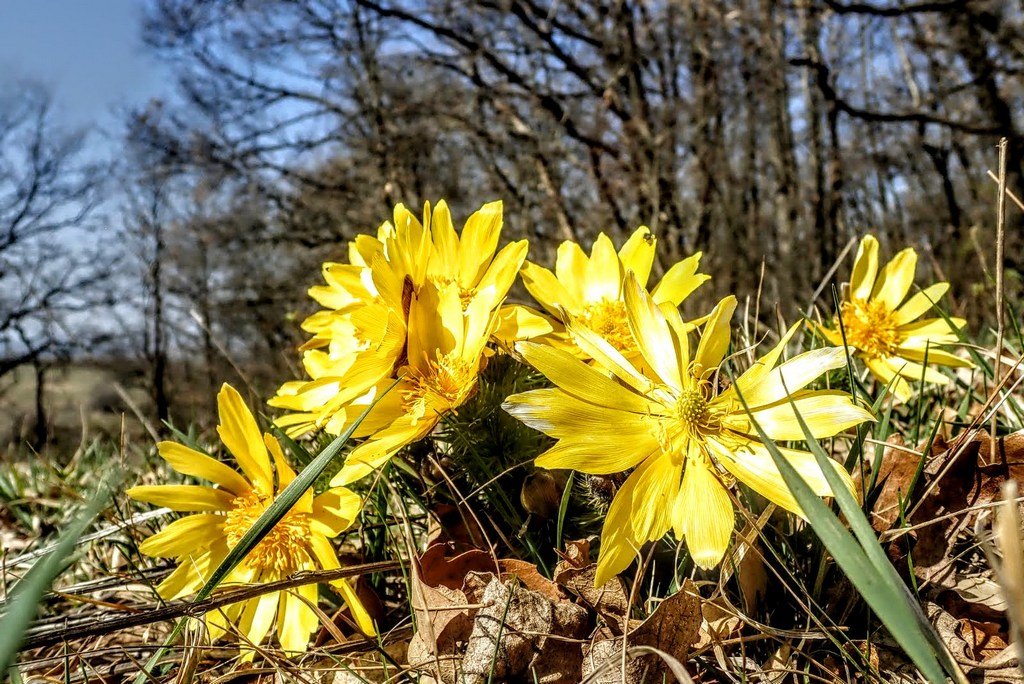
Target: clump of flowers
669, 421
220, 514
637, 391
883, 327
364, 335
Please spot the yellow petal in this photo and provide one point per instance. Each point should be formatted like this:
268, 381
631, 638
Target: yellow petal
581, 380
190, 462
285, 474
833, 336
714, 341
750, 463
183, 497
291, 623
886, 375
597, 456
826, 414
435, 324
517, 323
761, 368
183, 536
549, 292
789, 377
652, 334
921, 303
618, 546
937, 356
571, 271
604, 272
243, 438
637, 255
865, 268
220, 620
479, 240
378, 450
935, 330
680, 281
561, 415
335, 510
183, 581
606, 356
502, 272
706, 514
260, 614
657, 486
446, 240
328, 560
914, 372
355, 606
896, 278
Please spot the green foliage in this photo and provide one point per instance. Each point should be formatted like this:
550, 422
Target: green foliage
22, 605
864, 561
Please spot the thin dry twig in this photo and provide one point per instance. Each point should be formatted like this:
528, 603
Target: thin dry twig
105, 622
1000, 247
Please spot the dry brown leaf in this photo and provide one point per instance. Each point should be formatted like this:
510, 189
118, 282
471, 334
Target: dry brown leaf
470, 619
955, 489
752, 576
522, 635
673, 628
674, 625
576, 574
717, 623
442, 611
606, 648
895, 474
454, 525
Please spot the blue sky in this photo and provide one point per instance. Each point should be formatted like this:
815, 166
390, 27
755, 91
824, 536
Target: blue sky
89, 52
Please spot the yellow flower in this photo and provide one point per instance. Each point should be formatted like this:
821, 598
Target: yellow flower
590, 290
361, 336
683, 437
883, 330
220, 515
446, 352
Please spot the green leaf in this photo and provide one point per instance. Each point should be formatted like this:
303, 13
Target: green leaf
26, 594
863, 560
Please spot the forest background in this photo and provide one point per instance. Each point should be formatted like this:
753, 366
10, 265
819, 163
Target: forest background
769, 135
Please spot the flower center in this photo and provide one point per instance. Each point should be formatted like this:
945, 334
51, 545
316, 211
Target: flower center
692, 408
282, 549
693, 416
870, 327
446, 384
608, 318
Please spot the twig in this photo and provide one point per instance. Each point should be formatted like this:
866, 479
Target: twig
1000, 245
95, 625
827, 278
130, 403
98, 534
1009, 193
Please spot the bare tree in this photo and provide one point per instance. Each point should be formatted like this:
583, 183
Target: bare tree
753, 130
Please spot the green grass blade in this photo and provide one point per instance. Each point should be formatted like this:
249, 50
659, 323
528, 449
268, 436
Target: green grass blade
25, 595
903, 616
880, 587
563, 508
